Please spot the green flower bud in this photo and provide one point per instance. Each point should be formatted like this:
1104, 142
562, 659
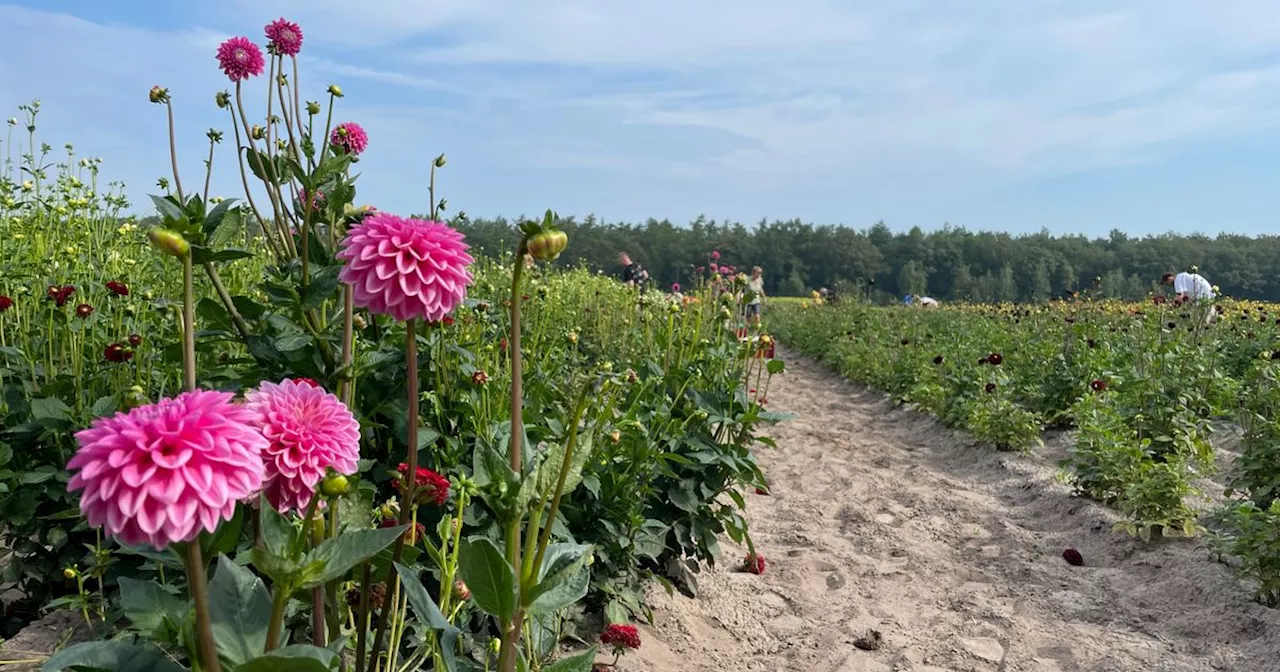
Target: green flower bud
170, 242
335, 91
258, 132
223, 99
335, 485
313, 108
158, 94
440, 161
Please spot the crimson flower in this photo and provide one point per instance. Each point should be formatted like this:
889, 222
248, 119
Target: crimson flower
754, 563
118, 288
938, 359
5, 303
479, 378
621, 637
60, 294
429, 486
83, 311
135, 340
991, 387
117, 353
1073, 557
1098, 385
995, 359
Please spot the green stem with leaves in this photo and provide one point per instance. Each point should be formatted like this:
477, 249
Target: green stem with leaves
511, 630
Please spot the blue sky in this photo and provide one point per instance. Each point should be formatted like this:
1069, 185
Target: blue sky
1071, 115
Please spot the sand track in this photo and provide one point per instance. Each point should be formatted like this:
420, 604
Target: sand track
882, 519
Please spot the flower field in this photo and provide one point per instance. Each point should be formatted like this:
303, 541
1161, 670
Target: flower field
1149, 391
279, 431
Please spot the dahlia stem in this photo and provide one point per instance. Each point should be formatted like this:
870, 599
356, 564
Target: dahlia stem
318, 626
511, 630
208, 170
278, 602
173, 152
346, 386
188, 324
199, 594
409, 503
223, 294
362, 618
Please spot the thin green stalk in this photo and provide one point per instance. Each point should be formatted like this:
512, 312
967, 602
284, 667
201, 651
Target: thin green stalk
409, 503
274, 626
199, 594
511, 630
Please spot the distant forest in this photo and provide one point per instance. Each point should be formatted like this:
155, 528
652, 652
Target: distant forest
950, 263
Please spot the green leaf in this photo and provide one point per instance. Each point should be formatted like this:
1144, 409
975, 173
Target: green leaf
111, 656
149, 606
340, 554
50, 408
581, 662
491, 578
169, 211
239, 608
775, 366
103, 406
683, 497
548, 470
222, 224
563, 578
277, 532
230, 254
429, 613
295, 658
291, 342
322, 286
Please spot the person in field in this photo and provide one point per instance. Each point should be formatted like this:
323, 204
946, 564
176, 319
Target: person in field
631, 271
926, 302
1191, 286
756, 285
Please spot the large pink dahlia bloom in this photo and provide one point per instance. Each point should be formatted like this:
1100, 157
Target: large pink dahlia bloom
406, 268
284, 37
240, 58
308, 430
349, 137
164, 472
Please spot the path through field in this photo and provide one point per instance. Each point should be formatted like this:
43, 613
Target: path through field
880, 519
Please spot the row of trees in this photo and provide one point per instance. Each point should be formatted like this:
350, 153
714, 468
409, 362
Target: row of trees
950, 263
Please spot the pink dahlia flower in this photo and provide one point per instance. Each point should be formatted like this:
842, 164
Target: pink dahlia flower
308, 430
240, 58
350, 137
284, 37
406, 268
164, 472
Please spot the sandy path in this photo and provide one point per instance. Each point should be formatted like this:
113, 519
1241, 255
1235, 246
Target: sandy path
881, 519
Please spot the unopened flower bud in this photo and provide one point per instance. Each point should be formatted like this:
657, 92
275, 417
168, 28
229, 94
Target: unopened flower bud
281, 145
13, 121
335, 91
223, 99
28, 185
317, 526
258, 132
359, 321
70, 573
495, 646
440, 161
335, 485
135, 396
170, 242
461, 590
313, 108
615, 436
158, 94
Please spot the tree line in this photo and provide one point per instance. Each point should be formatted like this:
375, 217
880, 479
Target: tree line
950, 263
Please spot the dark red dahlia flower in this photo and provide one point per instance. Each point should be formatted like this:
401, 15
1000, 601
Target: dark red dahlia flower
117, 353
135, 340
621, 637
995, 359
1073, 557
5, 303
118, 288
428, 486
754, 563
1098, 385
83, 311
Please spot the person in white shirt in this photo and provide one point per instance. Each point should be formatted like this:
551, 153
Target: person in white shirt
926, 302
1190, 286
756, 285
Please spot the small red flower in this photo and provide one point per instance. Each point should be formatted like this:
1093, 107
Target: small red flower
675, 287
1158, 299
906, 341
135, 340
429, 486
754, 563
59, 295
307, 381
1073, 557
479, 378
5, 303
995, 359
1098, 385
991, 387
83, 311
621, 637
117, 353
118, 288
938, 359
447, 320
